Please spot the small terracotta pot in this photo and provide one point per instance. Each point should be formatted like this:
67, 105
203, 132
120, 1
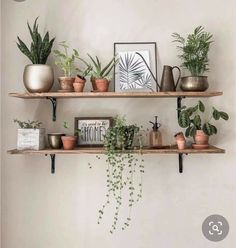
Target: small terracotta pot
79, 84
102, 85
66, 83
201, 138
179, 136
181, 144
68, 142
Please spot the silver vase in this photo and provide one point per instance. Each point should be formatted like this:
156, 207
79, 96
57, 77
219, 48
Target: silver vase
198, 83
38, 78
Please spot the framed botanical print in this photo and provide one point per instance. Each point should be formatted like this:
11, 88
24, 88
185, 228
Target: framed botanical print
92, 130
136, 67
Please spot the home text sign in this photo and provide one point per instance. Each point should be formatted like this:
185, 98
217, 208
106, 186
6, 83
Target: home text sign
92, 130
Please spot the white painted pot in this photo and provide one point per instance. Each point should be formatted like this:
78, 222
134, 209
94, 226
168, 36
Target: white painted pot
30, 139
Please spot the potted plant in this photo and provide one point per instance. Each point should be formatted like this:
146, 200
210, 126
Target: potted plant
190, 118
38, 77
124, 171
30, 135
66, 62
194, 55
69, 141
100, 76
80, 79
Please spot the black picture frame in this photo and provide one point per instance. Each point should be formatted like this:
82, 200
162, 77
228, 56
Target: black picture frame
154, 74
86, 136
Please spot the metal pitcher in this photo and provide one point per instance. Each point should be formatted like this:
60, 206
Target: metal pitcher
167, 80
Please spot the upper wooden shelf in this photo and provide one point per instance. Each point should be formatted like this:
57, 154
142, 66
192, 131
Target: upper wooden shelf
116, 94
100, 150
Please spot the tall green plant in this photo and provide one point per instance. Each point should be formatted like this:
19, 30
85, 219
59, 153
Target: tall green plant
194, 50
191, 119
40, 48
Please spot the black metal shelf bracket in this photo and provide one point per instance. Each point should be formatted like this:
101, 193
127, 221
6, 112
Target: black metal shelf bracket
53, 158
179, 105
53, 164
54, 107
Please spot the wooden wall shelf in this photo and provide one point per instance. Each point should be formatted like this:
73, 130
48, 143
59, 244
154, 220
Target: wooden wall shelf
179, 95
98, 150
116, 94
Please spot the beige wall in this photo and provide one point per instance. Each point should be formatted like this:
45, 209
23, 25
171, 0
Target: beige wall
44, 210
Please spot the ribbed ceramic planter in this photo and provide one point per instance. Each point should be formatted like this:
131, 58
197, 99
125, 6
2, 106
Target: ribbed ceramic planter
38, 78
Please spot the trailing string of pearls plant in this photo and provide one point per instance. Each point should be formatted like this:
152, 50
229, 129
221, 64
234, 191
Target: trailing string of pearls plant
124, 173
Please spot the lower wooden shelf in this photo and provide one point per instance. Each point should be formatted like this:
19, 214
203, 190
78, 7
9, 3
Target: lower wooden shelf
100, 150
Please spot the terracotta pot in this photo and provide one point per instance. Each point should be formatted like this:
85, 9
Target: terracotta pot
179, 136
102, 85
68, 142
66, 83
201, 138
181, 144
92, 79
79, 84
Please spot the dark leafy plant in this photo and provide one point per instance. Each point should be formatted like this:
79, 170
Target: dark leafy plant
100, 72
194, 50
28, 124
123, 171
40, 48
131, 69
190, 118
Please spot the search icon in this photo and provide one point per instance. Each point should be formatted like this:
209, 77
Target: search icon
215, 228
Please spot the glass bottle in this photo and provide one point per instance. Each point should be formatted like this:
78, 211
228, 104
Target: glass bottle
155, 137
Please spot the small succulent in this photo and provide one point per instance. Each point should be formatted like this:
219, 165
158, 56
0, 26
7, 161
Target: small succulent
100, 72
194, 50
190, 119
40, 48
28, 124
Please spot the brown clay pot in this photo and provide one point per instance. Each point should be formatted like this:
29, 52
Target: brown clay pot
201, 138
68, 142
179, 136
79, 84
66, 83
102, 85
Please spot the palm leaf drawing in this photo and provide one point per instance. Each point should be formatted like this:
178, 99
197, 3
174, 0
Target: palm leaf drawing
131, 69
145, 82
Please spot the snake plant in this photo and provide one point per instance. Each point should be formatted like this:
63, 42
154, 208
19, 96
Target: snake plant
190, 119
40, 48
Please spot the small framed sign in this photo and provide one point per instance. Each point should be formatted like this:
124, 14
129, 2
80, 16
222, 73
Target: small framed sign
92, 130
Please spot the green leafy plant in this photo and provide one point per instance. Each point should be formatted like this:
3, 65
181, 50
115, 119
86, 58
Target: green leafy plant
65, 60
67, 126
194, 50
124, 171
100, 72
190, 118
40, 48
28, 124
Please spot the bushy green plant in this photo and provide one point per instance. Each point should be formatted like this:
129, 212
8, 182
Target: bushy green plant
123, 171
28, 124
100, 72
194, 50
65, 60
190, 118
40, 48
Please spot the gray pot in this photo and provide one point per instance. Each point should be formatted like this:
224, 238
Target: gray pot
54, 140
199, 83
38, 78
